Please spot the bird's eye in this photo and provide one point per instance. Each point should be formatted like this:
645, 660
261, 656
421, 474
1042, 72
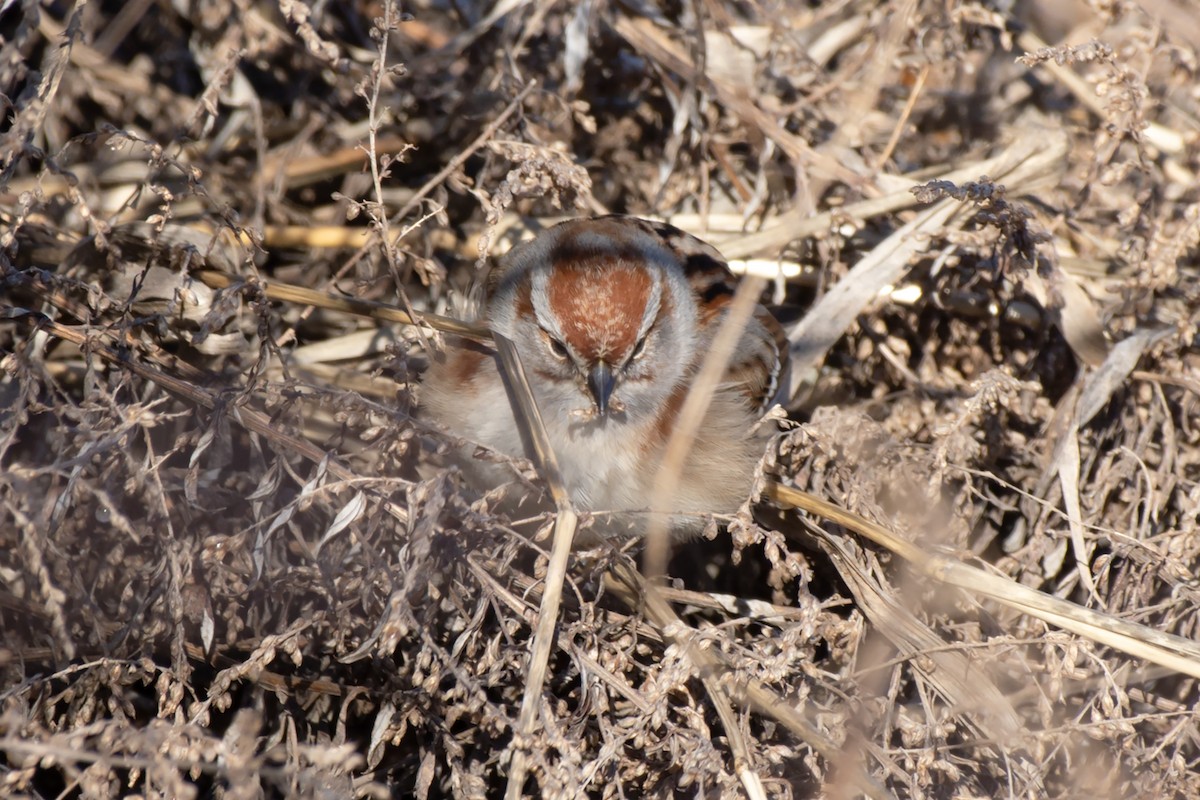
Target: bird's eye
639, 349
557, 348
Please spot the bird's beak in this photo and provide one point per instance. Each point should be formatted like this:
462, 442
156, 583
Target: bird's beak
601, 382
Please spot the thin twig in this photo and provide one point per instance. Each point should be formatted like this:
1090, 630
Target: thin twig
691, 417
530, 419
482, 139
898, 130
1037, 157
287, 292
1165, 649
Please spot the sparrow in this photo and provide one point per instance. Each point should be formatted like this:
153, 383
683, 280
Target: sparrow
611, 317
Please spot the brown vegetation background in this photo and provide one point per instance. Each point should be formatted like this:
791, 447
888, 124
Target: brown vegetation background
224, 571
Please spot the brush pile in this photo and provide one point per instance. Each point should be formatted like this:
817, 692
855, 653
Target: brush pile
229, 566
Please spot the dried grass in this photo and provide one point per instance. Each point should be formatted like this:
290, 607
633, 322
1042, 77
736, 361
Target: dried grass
229, 567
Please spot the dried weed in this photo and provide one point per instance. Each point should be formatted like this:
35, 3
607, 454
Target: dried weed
229, 566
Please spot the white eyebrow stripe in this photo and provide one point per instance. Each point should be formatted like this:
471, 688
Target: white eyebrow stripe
653, 304
540, 296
